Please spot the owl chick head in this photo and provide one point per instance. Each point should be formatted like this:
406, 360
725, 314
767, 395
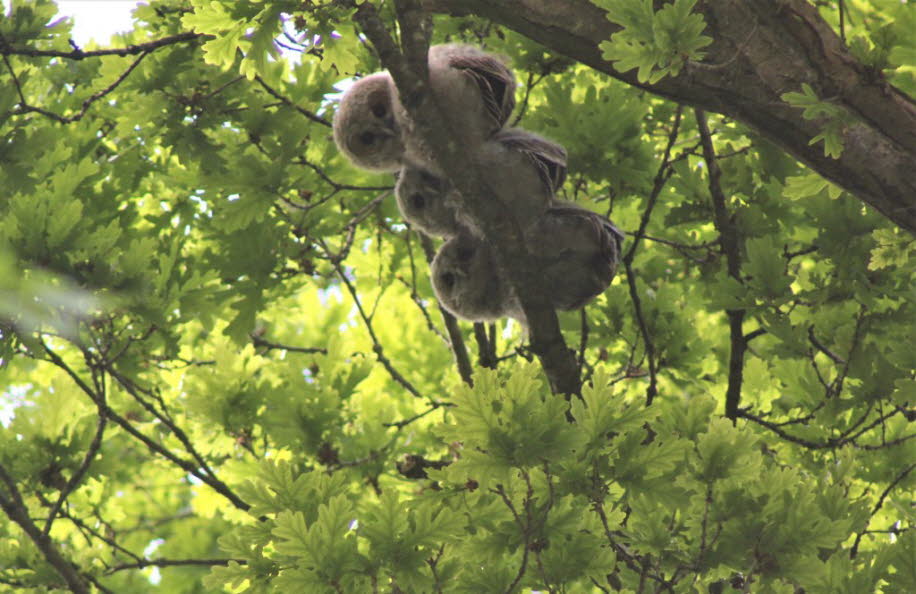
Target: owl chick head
427, 201
466, 280
364, 125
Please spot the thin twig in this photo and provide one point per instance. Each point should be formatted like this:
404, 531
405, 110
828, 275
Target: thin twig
855, 546
288, 102
367, 322
523, 106
143, 563
728, 238
78, 54
24, 107
185, 465
337, 186
661, 177
634, 562
403, 423
820, 346
77, 476
524, 528
831, 443
262, 342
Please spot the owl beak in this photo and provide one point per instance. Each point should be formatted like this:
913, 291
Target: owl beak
391, 126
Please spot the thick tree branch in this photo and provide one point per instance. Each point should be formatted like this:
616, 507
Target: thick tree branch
408, 69
486, 353
761, 50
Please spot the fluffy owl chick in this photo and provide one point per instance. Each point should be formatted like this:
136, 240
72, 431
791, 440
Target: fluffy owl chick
523, 169
575, 250
427, 201
365, 127
474, 90
547, 157
578, 252
473, 85
467, 283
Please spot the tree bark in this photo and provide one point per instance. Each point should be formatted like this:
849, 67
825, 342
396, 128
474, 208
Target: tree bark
761, 49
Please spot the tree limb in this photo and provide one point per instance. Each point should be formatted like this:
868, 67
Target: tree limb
760, 51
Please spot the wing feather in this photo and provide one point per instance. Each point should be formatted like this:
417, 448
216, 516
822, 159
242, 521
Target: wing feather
547, 156
495, 81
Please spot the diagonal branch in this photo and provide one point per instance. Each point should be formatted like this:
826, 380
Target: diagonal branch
74, 480
456, 340
855, 546
15, 508
24, 107
286, 101
367, 322
189, 467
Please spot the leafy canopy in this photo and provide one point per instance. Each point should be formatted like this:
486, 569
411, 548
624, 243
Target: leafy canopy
224, 370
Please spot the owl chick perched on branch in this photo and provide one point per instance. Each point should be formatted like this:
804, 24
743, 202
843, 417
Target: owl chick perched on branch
428, 201
576, 251
365, 129
466, 281
522, 168
474, 89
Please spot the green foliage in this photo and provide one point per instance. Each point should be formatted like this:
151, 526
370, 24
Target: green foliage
192, 262
657, 43
835, 118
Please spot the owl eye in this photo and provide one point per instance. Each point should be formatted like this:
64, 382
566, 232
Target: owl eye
418, 201
448, 280
378, 110
465, 253
367, 138
431, 180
